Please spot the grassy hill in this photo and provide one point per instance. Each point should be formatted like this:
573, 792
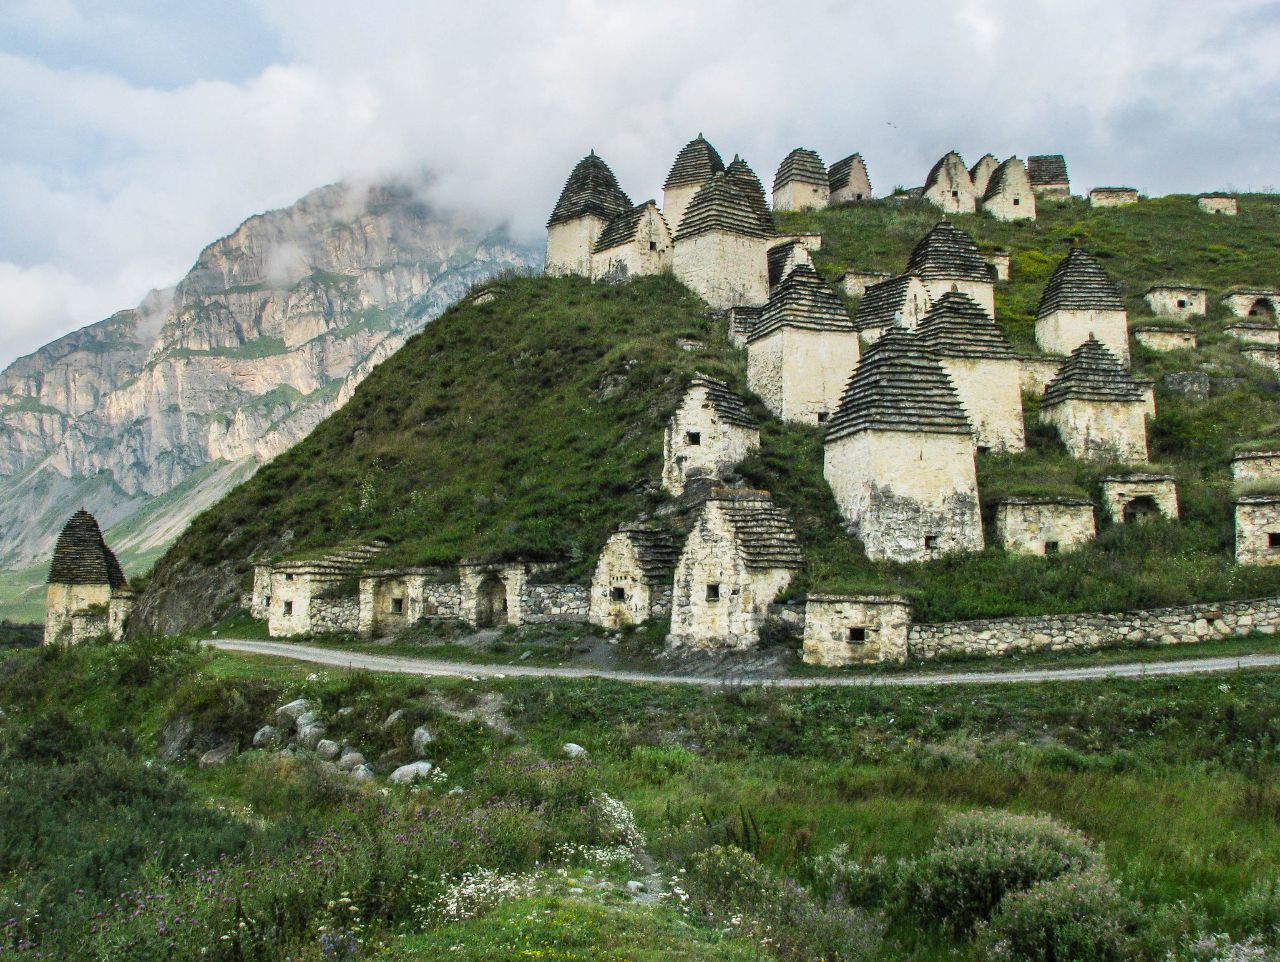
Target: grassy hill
529, 424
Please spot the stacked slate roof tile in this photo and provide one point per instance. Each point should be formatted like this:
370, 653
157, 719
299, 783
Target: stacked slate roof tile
696, 163
1092, 373
957, 326
899, 385
881, 304
1000, 178
841, 172
802, 300
743, 320
986, 161
1047, 169
741, 175
720, 206
763, 530
780, 255
623, 228
948, 253
655, 548
728, 406
1079, 284
81, 556
590, 189
802, 165
950, 159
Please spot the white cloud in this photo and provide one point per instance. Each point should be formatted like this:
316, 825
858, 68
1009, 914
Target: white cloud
110, 187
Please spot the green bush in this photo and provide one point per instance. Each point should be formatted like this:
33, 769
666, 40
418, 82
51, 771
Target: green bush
1258, 913
1079, 917
735, 890
980, 857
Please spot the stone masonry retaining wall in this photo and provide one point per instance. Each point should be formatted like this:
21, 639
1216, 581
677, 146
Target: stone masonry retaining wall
544, 604
335, 615
1084, 632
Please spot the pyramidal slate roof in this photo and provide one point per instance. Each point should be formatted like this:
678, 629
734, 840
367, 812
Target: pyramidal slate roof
881, 304
1047, 169
957, 326
728, 406
948, 253
696, 163
842, 171
655, 548
623, 228
801, 165
802, 301
741, 175
986, 160
899, 385
1079, 284
1092, 373
590, 189
763, 530
1005, 177
720, 206
780, 255
81, 556
952, 162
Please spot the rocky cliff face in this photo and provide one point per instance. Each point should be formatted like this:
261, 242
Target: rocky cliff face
155, 411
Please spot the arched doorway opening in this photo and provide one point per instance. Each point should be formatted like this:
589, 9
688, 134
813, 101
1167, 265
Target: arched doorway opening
1141, 509
1263, 309
491, 603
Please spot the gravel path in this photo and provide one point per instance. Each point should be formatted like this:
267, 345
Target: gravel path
433, 667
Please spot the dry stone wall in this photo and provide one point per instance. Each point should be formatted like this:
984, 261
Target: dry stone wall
335, 615
552, 604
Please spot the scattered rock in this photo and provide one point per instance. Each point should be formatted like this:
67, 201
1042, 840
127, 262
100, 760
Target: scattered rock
217, 756
634, 887
421, 739
575, 891
362, 773
293, 711
351, 761
328, 749
394, 717
408, 774
345, 711
175, 738
525, 655
265, 735
310, 736
456, 790
574, 750
1190, 384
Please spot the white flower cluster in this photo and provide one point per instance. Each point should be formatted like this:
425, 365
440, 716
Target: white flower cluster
1220, 948
619, 818
480, 890
600, 859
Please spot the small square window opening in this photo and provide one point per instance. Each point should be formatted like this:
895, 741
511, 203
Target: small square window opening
693, 437
1051, 547
397, 606
288, 607
857, 636
931, 542
713, 592
1273, 539
617, 594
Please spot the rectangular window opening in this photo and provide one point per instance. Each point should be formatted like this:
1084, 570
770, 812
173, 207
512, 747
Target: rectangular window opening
1182, 303
653, 245
1273, 539
288, 607
857, 636
1016, 202
713, 592
288, 577
617, 594
693, 437
822, 417
397, 606
1051, 547
931, 542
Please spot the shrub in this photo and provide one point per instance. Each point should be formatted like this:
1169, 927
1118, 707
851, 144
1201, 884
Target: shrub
1259, 911
1079, 916
870, 883
1220, 948
734, 889
979, 857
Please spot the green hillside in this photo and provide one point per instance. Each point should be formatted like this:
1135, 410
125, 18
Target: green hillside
530, 425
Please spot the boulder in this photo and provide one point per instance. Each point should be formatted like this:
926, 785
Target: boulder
350, 761
408, 774
362, 773
421, 739
175, 738
394, 717
292, 711
574, 750
217, 756
310, 736
265, 736
328, 749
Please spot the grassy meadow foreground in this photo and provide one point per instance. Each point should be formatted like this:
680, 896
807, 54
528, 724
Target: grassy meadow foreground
1114, 820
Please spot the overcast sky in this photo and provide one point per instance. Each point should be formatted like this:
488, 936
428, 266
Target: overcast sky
133, 132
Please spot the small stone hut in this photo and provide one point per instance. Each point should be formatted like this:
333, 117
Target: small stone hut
87, 595
947, 259
998, 261
721, 247
740, 174
1225, 204
948, 186
899, 455
634, 243
1009, 195
899, 300
1079, 302
986, 373
802, 350
1258, 529
802, 182
1258, 304
318, 595
710, 434
740, 555
693, 169
784, 258
1113, 196
1138, 497
1177, 300
1165, 337
590, 200
980, 173
395, 598
1044, 525
1099, 411
855, 629
633, 578
855, 283
849, 181
1048, 174
742, 321
1253, 466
